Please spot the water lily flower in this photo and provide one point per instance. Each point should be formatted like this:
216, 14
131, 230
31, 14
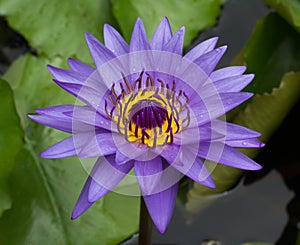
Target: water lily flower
145, 106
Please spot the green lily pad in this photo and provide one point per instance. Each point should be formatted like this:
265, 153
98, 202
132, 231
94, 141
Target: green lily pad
272, 51
44, 191
288, 9
196, 16
11, 141
56, 28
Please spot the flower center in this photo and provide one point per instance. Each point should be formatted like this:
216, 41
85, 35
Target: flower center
146, 113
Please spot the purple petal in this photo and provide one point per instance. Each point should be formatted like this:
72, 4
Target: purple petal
208, 61
175, 44
139, 39
215, 106
67, 76
85, 145
96, 145
114, 41
57, 112
233, 131
82, 203
246, 143
63, 125
64, 148
196, 134
106, 177
89, 116
162, 35
121, 158
227, 155
231, 84
202, 48
131, 150
86, 94
99, 52
227, 72
214, 130
186, 161
148, 175
161, 206
80, 116
199, 173
80, 67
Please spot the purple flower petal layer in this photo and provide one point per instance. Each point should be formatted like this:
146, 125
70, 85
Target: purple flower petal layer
114, 41
62, 125
227, 155
80, 67
161, 206
99, 52
202, 48
227, 85
82, 203
215, 106
106, 177
64, 148
139, 39
185, 160
207, 62
149, 175
227, 72
246, 143
175, 44
162, 35
86, 94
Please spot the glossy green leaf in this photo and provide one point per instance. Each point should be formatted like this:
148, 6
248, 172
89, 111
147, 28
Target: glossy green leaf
272, 51
194, 15
288, 9
57, 27
45, 191
11, 141
277, 90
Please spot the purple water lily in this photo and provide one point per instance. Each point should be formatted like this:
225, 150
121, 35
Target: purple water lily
148, 108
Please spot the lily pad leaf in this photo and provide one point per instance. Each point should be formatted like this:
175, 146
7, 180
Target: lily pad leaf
56, 28
272, 50
194, 15
44, 191
11, 141
288, 9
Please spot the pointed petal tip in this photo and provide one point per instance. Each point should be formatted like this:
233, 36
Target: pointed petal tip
248, 94
31, 116
256, 167
181, 31
108, 28
74, 216
222, 49
89, 38
76, 213
161, 228
51, 68
211, 185
45, 154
